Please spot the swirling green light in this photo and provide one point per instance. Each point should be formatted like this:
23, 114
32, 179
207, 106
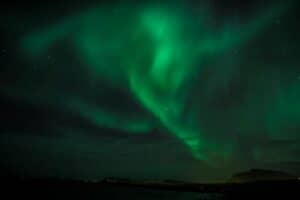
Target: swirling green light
151, 52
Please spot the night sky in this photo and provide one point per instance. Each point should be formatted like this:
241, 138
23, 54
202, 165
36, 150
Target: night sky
188, 90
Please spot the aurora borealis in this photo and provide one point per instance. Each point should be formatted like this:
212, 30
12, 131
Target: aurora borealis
193, 86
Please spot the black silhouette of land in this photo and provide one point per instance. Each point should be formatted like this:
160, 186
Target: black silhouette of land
253, 184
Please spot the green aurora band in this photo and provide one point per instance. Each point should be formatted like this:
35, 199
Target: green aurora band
157, 54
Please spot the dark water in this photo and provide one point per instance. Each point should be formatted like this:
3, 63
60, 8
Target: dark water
137, 193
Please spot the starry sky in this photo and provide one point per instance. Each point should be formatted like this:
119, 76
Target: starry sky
188, 90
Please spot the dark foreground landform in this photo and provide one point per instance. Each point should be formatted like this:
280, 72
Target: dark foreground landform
123, 189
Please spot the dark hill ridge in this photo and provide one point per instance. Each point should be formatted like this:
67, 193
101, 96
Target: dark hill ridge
115, 188
261, 175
